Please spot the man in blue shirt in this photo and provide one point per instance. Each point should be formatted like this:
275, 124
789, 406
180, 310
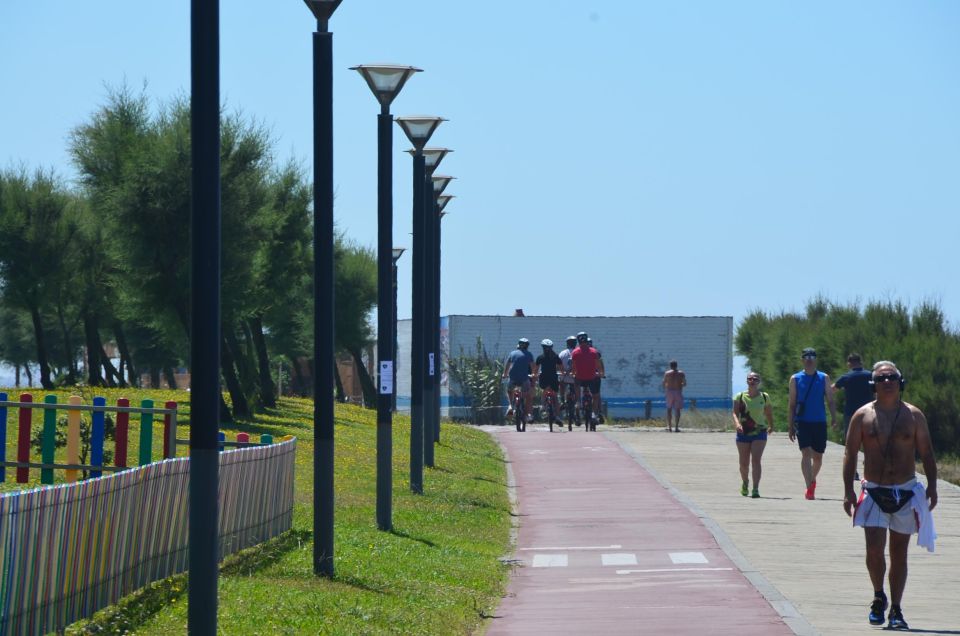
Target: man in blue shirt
856, 384
807, 418
519, 367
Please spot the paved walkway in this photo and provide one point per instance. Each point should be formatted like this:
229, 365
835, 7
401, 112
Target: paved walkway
637, 531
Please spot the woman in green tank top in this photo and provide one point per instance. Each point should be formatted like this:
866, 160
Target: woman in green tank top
753, 419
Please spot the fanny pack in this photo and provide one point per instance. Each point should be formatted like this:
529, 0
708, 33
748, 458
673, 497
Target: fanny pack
890, 500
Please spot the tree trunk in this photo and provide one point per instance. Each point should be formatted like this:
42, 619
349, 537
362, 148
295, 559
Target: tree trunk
248, 380
296, 376
154, 378
341, 395
71, 360
240, 406
126, 360
16, 376
113, 376
366, 383
42, 359
26, 368
267, 388
225, 416
169, 376
92, 341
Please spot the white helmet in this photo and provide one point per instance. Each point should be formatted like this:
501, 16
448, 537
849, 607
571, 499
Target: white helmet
546, 342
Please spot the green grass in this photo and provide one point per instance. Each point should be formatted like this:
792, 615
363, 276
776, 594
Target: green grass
437, 572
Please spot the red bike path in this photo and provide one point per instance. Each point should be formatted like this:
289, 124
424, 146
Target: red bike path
603, 548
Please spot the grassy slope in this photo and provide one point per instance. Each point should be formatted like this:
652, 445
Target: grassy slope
438, 572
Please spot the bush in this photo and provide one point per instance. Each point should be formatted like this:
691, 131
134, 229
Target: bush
478, 377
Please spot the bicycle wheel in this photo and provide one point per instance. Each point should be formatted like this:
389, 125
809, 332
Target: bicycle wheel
550, 413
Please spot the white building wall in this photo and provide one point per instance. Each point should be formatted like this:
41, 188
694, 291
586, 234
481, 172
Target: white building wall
636, 351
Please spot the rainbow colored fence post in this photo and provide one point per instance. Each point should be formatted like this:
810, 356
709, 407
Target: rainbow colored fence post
120, 437
48, 446
146, 433
243, 439
3, 437
96, 436
73, 439
23, 440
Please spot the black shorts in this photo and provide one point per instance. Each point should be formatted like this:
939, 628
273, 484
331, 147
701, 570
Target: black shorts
593, 385
549, 383
812, 435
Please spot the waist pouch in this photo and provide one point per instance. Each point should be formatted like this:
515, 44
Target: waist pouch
890, 500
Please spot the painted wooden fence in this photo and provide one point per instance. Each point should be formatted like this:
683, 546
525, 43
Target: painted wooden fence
67, 551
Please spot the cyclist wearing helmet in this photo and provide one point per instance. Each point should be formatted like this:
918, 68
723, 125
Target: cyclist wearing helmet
601, 373
586, 368
548, 364
519, 367
566, 371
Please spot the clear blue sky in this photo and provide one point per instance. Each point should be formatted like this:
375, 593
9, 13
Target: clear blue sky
688, 158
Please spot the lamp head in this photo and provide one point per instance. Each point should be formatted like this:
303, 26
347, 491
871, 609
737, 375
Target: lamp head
385, 80
419, 128
322, 10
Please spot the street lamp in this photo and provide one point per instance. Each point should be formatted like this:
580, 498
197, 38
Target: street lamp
443, 200
385, 80
418, 130
397, 253
438, 184
431, 419
205, 224
323, 290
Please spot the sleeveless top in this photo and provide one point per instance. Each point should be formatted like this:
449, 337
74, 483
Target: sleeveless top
754, 406
814, 411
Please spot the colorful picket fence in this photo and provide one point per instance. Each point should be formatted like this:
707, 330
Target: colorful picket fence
74, 407
69, 550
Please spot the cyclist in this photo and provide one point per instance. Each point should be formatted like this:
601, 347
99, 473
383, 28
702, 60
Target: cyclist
519, 367
586, 369
547, 365
602, 373
566, 376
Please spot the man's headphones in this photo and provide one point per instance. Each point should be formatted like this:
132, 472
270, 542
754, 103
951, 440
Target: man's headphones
902, 382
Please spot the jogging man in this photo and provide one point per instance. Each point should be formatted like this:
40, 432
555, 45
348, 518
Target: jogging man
673, 382
586, 370
548, 364
807, 419
519, 367
892, 502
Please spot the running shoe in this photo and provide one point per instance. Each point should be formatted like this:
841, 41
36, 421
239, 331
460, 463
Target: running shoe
755, 494
895, 619
744, 490
877, 608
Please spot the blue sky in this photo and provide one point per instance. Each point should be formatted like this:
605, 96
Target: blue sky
613, 157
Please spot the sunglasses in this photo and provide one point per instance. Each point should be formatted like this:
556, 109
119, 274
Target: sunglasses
887, 377
753, 380
809, 357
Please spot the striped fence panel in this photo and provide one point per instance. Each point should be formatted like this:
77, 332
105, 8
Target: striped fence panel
67, 551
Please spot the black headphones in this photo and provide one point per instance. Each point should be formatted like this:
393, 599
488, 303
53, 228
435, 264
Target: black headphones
901, 381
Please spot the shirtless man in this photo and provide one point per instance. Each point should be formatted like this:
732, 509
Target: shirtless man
673, 382
890, 432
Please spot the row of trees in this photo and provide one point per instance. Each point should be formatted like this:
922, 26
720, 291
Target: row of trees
108, 260
920, 342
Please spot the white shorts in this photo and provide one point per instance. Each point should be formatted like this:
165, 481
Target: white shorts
869, 515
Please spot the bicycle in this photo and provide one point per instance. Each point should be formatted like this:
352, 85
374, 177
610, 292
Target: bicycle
586, 409
570, 406
549, 406
518, 409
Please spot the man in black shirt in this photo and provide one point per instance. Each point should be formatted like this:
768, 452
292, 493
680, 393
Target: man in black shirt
856, 385
548, 366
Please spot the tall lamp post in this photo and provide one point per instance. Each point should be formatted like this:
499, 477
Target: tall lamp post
397, 253
439, 183
431, 389
205, 318
385, 80
418, 130
323, 294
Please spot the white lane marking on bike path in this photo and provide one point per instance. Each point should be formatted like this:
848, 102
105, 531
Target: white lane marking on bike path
658, 570
620, 558
679, 558
615, 546
550, 560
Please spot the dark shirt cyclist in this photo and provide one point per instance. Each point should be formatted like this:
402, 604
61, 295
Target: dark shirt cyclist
548, 367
